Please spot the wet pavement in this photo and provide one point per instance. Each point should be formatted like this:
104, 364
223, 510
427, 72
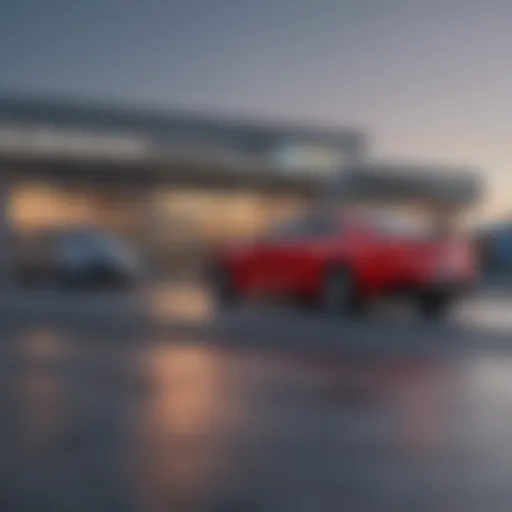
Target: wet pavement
98, 421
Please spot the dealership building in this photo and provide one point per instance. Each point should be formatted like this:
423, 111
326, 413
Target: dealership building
174, 182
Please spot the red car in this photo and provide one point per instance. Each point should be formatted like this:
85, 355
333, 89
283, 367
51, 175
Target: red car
341, 263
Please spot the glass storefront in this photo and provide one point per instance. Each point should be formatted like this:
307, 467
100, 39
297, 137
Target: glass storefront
193, 221
177, 226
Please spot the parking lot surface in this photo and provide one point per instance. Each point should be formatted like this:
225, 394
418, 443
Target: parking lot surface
260, 409
95, 423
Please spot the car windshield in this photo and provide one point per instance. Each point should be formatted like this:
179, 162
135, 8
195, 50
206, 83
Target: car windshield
311, 225
402, 224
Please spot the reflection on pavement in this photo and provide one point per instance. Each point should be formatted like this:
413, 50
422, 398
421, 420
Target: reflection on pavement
190, 302
184, 302
107, 425
182, 424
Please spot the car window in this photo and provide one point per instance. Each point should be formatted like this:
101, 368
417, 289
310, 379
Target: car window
319, 227
286, 230
315, 226
392, 226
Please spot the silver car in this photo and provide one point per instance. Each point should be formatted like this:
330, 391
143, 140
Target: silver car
81, 258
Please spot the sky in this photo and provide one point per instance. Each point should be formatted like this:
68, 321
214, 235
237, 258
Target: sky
429, 80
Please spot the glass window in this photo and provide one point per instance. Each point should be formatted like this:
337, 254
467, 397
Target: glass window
323, 226
310, 227
402, 226
287, 230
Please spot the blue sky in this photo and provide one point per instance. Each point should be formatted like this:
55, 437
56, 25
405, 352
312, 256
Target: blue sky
428, 79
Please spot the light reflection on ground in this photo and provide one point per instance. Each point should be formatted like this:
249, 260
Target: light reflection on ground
102, 425
191, 302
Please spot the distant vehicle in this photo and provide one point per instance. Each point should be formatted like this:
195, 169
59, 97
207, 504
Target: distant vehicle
80, 258
341, 263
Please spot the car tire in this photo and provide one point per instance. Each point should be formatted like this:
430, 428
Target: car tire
222, 287
434, 306
339, 294
70, 280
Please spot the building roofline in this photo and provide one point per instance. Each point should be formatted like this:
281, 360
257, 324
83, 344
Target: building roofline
416, 169
207, 118
403, 181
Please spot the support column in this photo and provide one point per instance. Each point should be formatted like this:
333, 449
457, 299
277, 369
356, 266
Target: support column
6, 238
150, 232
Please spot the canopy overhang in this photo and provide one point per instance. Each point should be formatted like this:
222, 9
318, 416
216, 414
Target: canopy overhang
432, 187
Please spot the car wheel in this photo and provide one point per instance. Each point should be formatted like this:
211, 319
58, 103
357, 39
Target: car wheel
339, 293
434, 306
223, 289
109, 279
71, 281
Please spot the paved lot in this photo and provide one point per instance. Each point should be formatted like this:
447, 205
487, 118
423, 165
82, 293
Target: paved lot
55, 305
481, 322
259, 409
99, 422
190, 301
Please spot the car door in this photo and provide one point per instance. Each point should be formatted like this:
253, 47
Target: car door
255, 270
301, 256
376, 259
399, 246
284, 255
263, 264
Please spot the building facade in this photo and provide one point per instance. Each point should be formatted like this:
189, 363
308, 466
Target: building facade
175, 183
172, 182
